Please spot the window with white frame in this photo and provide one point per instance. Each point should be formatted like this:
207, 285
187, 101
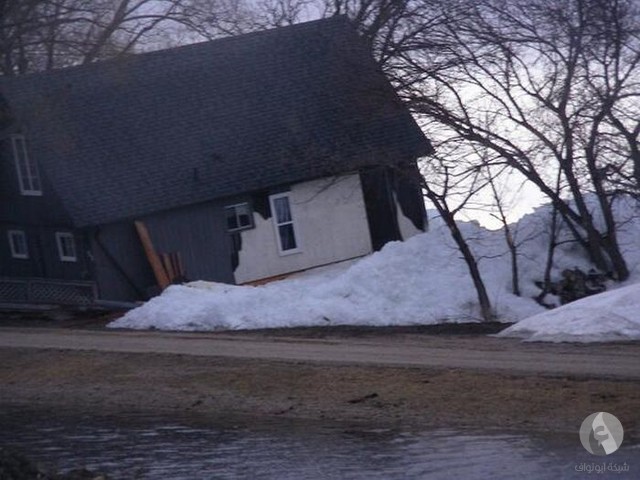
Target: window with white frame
18, 244
239, 217
66, 246
284, 224
27, 169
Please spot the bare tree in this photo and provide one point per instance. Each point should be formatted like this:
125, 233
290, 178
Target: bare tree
450, 184
554, 231
38, 35
613, 77
509, 231
530, 66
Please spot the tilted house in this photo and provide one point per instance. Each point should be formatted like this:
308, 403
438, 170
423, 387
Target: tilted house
246, 158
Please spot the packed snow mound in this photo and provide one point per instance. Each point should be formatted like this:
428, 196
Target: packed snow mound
609, 316
420, 281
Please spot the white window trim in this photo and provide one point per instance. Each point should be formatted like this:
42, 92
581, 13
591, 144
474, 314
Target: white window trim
272, 199
14, 254
247, 227
19, 141
59, 239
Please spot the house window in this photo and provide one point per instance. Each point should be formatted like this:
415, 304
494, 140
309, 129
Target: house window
18, 244
283, 222
28, 175
239, 217
66, 246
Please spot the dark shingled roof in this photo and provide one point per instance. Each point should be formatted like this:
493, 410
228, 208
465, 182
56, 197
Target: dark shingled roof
170, 128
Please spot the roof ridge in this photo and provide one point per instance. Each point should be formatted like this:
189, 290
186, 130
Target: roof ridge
139, 57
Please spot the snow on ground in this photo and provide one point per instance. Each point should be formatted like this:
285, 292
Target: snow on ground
420, 281
609, 316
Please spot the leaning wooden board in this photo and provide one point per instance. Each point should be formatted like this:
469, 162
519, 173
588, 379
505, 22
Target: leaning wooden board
154, 260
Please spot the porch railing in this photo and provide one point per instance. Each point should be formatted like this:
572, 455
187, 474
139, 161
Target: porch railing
47, 291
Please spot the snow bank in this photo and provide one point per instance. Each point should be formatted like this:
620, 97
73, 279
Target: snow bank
421, 281
609, 316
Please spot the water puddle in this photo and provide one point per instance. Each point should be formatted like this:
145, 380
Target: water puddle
140, 447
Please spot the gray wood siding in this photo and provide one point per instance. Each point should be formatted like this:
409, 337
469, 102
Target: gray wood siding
44, 259
16, 208
198, 232
18, 267
122, 270
40, 217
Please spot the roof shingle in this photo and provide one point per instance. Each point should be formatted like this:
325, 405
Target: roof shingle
164, 129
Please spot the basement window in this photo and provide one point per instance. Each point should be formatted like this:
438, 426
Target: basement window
284, 225
239, 217
66, 247
28, 174
18, 244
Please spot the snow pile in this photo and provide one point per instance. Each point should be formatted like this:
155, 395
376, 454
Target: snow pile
421, 281
609, 316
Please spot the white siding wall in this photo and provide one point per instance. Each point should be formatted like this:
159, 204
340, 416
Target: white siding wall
331, 225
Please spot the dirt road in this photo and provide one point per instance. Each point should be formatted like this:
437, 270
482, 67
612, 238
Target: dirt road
477, 352
412, 379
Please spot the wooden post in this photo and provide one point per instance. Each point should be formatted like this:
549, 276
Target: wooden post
154, 260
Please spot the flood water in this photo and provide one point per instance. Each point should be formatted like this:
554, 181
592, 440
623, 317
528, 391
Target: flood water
141, 447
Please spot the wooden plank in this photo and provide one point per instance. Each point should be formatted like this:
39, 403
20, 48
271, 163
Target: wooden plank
154, 260
168, 266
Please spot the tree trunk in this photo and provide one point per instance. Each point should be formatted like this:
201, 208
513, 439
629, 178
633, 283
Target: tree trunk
483, 298
486, 311
618, 263
513, 251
